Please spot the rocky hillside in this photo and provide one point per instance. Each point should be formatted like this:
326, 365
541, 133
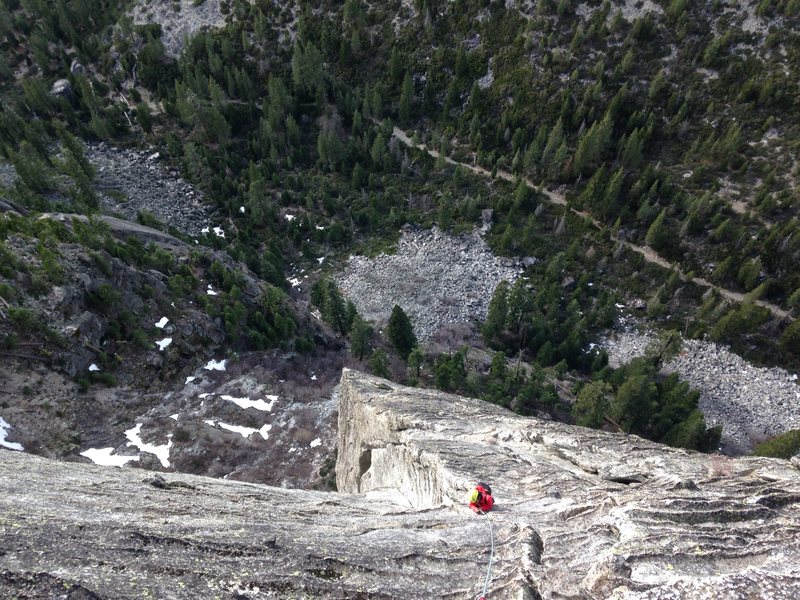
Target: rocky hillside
579, 514
123, 343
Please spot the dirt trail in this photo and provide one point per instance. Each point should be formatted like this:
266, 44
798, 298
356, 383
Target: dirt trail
555, 198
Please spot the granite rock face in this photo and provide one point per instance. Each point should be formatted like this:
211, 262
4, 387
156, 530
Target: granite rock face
579, 514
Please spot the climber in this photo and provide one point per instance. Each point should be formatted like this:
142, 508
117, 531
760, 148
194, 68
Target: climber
480, 498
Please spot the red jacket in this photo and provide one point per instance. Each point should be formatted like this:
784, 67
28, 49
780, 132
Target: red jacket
483, 502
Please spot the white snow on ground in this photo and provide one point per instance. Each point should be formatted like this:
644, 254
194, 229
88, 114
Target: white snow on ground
315, 442
162, 323
247, 403
189, 380
161, 452
290, 218
245, 432
219, 232
107, 458
205, 395
93, 367
241, 209
295, 282
205, 230
313, 378
163, 343
175, 416
210, 291
216, 365
4, 427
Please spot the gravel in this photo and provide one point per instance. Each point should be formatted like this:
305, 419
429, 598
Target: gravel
437, 279
751, 403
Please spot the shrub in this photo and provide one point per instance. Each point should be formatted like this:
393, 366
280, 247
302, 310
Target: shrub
785, 445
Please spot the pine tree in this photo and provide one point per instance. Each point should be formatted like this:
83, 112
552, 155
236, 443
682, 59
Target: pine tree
379, 363
360, 335
554, 141
406, 98
657, 235
401, 332
498, 313
611, 195
632, 153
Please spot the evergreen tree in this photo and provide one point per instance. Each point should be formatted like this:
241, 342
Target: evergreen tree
406, 98
360, 335
401, 332
657, 235
379, 363
498, 313
592, 404
554, 140
415, 359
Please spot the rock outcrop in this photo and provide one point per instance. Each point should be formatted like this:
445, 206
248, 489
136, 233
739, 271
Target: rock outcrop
579, 514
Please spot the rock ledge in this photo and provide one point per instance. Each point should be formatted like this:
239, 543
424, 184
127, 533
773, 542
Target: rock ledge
580, 514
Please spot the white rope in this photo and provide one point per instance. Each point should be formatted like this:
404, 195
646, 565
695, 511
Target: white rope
491, 558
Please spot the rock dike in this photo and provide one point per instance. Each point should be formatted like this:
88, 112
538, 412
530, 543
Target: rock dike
580, 514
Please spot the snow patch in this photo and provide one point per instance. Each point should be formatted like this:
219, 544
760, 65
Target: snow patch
315, 442
210, 291
4, 428
295, 282
107, 458
93, 367
245, 432
247, 403
162, 344
189, 380
161, 451
175, 416
241, 209
162, 323
290, 218
219, 232
216, 365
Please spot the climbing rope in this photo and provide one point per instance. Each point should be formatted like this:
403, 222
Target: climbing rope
491, 558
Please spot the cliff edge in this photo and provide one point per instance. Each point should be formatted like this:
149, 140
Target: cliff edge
580, 514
